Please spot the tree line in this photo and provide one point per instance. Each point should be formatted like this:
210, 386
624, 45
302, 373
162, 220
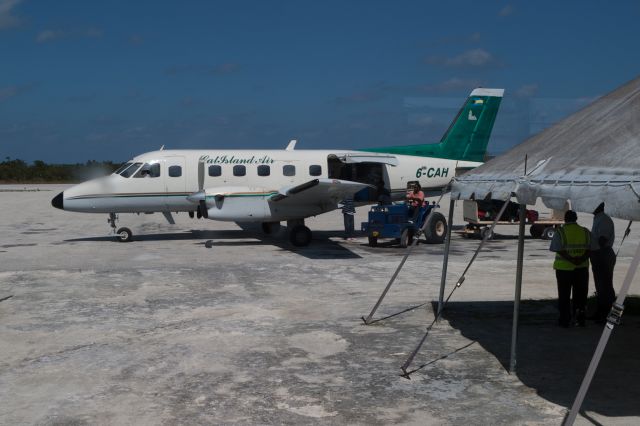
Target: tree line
19, 171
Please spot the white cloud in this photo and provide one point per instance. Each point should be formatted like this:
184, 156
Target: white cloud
451, 85
527, 90
7, 19
49, 35
221, 69
226, 68
471, 58
53, 35
9, 92
506, 10
136, 39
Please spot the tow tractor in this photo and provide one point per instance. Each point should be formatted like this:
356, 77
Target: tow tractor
400, 222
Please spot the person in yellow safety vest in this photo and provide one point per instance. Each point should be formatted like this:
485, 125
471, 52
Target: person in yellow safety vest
571, 244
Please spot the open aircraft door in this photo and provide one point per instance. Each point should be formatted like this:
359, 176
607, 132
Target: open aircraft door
362, 167
175, 180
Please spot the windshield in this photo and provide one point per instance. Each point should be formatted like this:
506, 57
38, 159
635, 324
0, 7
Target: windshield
130, 170
121, 168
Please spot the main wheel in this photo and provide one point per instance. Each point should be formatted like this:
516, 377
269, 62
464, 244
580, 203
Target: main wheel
436, 230
548, 233
270, 227
300, 236
536, 230
124, 235
373, 241
406, 238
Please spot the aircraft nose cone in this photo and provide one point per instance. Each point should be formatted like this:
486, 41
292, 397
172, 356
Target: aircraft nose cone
58, 201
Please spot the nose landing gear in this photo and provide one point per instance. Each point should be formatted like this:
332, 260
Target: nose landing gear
124, 235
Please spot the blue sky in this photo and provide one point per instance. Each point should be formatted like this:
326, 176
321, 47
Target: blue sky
84, 80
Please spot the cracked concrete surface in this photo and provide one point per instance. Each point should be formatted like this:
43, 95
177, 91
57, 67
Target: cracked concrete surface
167, 331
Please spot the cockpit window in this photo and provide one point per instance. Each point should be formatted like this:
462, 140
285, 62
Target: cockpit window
130, 170
154, 170
150, 170
121, 168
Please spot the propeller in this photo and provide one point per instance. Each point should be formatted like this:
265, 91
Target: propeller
200, 197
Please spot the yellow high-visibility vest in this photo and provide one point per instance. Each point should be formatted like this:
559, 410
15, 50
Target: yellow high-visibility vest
575, 241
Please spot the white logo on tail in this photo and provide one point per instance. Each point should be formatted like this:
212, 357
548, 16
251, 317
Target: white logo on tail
471, 116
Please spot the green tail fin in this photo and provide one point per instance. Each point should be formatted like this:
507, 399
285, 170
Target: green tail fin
467, 136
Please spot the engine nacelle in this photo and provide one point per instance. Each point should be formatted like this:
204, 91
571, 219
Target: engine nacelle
240, 208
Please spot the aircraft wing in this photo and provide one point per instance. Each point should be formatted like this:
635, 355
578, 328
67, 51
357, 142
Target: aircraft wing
318, 191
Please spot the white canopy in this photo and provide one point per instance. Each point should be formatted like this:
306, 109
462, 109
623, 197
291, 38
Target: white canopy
592, 156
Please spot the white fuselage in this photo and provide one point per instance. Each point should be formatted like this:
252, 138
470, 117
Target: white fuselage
250, 178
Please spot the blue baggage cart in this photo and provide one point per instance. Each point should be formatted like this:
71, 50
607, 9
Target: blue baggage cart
401, 222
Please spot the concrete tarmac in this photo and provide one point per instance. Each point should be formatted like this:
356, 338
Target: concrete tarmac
204, 323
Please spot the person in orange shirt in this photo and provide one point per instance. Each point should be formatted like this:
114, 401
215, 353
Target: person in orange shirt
415, 199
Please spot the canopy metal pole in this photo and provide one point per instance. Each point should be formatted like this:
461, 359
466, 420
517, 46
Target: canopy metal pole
445, 261
612, 320
516, 299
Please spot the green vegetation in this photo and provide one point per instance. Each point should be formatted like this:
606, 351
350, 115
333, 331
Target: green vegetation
18, 171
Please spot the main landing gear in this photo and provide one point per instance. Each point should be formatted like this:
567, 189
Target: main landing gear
299, 234
124, 235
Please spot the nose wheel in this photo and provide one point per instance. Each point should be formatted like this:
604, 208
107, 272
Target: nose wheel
124, 235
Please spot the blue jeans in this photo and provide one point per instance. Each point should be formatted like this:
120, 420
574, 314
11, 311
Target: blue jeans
348, 225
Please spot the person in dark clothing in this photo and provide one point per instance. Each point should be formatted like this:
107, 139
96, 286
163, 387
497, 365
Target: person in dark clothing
571, 244
348, 211
384, 195
603, 260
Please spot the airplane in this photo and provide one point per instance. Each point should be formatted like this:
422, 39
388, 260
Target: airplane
271, 186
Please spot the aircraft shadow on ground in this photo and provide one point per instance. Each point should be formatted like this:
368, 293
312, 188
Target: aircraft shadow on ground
554, 360
322, 247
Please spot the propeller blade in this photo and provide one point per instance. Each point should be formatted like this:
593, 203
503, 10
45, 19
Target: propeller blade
203, 209
200, 175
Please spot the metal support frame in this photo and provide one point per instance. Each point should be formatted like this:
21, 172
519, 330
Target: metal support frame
408, 251
409, 360
612, 320
518, 291
445, 260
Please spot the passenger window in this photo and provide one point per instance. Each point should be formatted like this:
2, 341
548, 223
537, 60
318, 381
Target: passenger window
315, 170
264, 170
239, 170
289, 170
215, 171
175, 171
130, 170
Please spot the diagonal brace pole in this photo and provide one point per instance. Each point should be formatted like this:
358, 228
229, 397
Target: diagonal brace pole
612, 320
408, 251
409, 360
